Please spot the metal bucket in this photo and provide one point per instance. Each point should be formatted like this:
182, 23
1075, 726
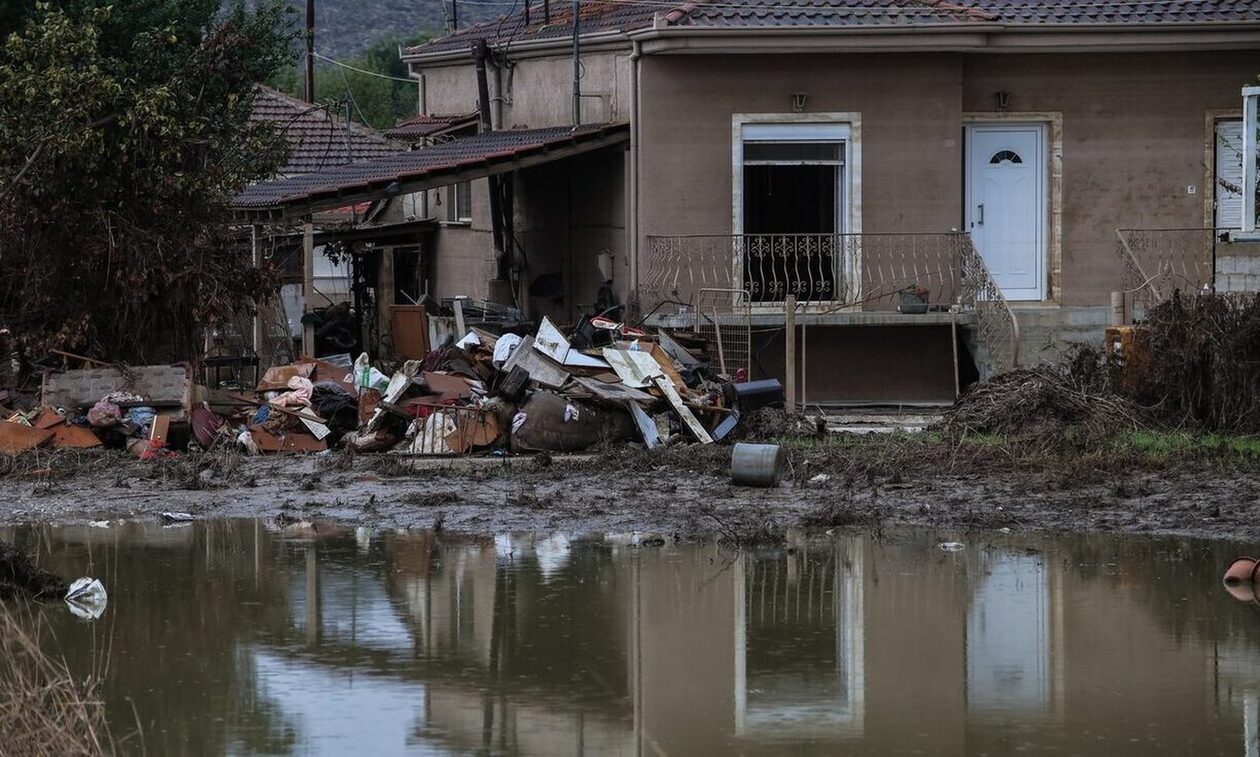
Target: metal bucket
756, 464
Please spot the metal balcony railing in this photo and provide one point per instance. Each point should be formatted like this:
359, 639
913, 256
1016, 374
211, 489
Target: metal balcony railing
857, 273
1158, 262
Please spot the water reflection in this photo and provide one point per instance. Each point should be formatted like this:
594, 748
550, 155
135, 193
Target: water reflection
231, 637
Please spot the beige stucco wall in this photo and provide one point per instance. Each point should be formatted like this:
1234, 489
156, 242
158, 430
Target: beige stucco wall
1133, 130
537, 92
1133, 141
910, 107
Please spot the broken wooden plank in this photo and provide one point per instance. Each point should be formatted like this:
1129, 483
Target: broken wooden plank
647, 426
637, 369
679, 353
614, 393
16, 438
540, 368
554, 345
688, 418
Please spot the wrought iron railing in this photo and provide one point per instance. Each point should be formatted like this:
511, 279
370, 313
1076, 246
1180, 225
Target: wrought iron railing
939, 272
1158, 262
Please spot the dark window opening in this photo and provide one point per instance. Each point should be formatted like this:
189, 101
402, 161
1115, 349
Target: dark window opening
791, 239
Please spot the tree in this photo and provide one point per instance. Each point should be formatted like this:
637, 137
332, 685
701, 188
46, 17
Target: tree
371, 100
124, 134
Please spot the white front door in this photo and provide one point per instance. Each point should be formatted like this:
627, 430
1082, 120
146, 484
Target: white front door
1006, 205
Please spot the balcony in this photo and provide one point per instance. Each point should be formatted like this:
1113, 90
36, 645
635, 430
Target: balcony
716, 282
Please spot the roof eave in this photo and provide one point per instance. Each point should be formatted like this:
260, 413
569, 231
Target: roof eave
974, 37
595, 41
379, 188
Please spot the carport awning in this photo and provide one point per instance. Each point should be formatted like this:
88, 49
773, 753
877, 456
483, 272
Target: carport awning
425, 168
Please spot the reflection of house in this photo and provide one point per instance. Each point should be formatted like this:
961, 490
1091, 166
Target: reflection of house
551, 646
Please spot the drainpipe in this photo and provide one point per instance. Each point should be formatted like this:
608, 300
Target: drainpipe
501, 262
309, 63
633, 225
577, 68
497, 102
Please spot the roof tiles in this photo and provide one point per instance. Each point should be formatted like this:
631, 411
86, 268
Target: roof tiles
444, 157
316, 138
625, 15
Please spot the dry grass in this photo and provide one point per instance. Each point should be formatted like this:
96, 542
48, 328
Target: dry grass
45, 709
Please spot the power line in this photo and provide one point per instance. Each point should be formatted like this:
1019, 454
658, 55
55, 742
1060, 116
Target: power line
336, 62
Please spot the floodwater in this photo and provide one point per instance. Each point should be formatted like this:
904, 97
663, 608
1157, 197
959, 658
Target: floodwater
242, 638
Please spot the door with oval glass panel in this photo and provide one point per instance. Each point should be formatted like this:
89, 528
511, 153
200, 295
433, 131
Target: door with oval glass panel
1006, 210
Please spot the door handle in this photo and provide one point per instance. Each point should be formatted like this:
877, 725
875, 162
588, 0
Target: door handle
980, 216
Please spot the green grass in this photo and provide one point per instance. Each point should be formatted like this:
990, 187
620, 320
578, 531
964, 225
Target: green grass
1160, 445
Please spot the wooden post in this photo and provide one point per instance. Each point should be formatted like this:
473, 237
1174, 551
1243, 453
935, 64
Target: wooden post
255, 238
385, 286
308, 287
789, 325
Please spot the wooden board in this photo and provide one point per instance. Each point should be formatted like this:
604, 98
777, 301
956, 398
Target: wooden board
290, 442
688, 418
411, 331
69, 436
541, 368
617, 394
16, 438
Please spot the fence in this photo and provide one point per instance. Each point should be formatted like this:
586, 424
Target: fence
1158, 262
828, 273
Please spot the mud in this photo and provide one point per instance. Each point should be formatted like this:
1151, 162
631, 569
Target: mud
683, 493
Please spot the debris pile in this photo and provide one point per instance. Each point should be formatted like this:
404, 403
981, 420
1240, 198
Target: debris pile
521, 390
1044, 403
1204, 349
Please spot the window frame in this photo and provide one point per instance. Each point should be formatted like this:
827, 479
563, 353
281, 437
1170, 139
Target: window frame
843, 127
457, 213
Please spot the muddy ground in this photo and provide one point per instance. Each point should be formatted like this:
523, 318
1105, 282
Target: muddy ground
682, 492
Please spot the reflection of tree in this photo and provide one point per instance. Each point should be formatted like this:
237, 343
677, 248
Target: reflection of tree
180, 605
1178, 579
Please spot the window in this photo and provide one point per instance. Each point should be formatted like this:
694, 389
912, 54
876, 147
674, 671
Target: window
461, 202
792, 213
1227, 189
1005, 156
1251, 159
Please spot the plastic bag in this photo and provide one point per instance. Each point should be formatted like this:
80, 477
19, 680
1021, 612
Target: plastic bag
87, 598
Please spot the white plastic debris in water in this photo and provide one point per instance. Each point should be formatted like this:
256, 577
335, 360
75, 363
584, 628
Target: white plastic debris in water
952, 546
820, 478
176, 517
99, 524
87, 598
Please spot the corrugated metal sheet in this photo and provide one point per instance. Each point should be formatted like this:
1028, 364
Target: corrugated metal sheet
460, 155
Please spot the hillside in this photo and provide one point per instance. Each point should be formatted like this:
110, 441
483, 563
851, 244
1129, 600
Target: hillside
345, 28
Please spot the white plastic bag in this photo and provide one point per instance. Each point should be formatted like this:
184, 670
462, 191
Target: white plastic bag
87, 598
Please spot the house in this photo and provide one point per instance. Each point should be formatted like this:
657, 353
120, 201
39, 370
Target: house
1005, 166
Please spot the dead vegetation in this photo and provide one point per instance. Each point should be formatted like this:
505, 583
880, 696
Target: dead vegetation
22, 578
1204, 353
1072, 402
45, 709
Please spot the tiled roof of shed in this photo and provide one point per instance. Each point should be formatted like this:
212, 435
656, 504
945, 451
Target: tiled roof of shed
424, 125
628, 15
317, 138
473, 153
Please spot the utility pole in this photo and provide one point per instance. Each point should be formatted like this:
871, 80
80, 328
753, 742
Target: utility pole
310, 51
454, 15
577, 68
